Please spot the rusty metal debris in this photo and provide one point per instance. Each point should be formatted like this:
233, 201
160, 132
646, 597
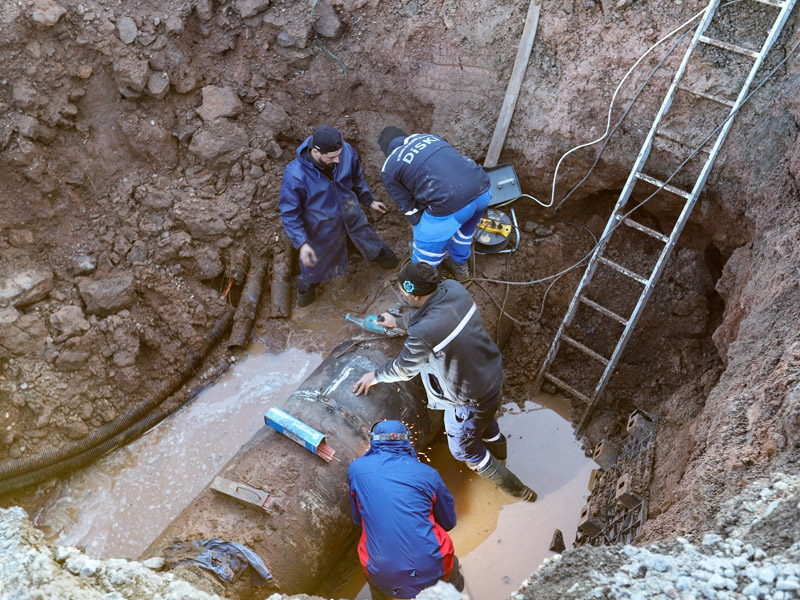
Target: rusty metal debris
617, 506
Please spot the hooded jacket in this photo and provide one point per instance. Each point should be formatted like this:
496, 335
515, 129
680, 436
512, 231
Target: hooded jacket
321, 212
404, 510
449, 347
424, 172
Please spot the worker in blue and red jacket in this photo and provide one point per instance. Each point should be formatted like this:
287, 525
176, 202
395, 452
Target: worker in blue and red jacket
321, 205
405, 511
441, 192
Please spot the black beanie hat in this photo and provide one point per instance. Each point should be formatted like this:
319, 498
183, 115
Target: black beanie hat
326, 139
387, 135
418, 278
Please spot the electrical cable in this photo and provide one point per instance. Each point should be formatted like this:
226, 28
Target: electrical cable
672, 175
505, 298
553, 278
594, 238
608, 131
321, 45
622, 118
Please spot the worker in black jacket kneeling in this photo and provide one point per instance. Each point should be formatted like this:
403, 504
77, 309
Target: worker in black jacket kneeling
461, 368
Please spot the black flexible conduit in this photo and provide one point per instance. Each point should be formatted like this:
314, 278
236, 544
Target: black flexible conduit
35, 469
31, 470
135, 430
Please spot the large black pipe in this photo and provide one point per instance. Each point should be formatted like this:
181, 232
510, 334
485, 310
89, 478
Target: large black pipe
302, 540
30, 463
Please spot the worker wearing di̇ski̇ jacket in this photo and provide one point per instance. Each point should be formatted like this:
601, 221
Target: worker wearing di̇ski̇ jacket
405, 511
441, 192
321, 199
460, 366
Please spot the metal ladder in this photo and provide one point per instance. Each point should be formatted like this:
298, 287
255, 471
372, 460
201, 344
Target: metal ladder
689, 199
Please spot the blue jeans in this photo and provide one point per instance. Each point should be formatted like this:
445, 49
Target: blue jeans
434, 237
466, 428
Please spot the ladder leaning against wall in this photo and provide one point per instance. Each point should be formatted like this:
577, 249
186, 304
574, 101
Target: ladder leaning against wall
680, 186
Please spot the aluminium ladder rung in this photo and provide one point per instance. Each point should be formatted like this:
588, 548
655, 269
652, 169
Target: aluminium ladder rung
585, 349
730, 47
663, 134
675, 137
565, 386
603, 310
621, 269
717, 99
643, 228
664, 186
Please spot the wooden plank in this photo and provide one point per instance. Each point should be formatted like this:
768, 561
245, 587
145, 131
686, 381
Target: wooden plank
514, 84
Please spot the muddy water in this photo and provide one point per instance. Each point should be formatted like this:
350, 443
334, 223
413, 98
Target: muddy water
498, 539
118, 505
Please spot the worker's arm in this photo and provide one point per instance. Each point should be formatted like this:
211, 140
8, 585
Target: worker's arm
355, 512
413, 357
360, 187
444, 511
402, 197
290, 205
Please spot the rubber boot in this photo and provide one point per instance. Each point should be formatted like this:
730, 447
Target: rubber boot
387, 261
498, 448
460, 271
307, 298
506, 480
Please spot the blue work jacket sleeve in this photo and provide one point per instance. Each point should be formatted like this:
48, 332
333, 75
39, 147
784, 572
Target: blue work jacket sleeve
290, 205
360, 187
413, 357
355, 512
402, 197
444, 512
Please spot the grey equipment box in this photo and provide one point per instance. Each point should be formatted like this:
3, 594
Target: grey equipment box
504, 183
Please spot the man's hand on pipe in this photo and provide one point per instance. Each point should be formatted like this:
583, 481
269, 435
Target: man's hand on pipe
362, 385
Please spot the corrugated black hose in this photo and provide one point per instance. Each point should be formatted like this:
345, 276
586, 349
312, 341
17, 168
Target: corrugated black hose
31, 470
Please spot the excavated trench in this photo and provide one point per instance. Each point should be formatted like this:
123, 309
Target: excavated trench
123, 264
100, 508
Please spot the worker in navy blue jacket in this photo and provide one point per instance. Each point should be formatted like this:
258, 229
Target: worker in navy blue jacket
320, 204
442, 193
404, 510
